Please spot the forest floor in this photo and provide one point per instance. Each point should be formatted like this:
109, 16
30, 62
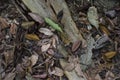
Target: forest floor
28, 45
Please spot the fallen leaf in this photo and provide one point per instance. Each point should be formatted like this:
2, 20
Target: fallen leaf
104, 30
100, 42
58, 72
97, 77
54, 42
3, 23
79, 71
46, 31
32, 37
34, 59
44, 75
110, 54
36, 17
93, 16
51, 52
13, 28
53, 24
45, 47
111, 14
26, 25
76, 45
10, 76
69, 66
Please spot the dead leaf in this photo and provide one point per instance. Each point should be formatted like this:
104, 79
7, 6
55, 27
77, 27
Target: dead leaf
79, 71
44, 75
32, 37
46, 31
76, 45
58, 72
34, 59
10, 76
111, 14
69, 66
54, 42
27, 25
3, 23
36, 17
110, 54
13, 28
93, 16
97, 77
104, 30
100, 42
45, 47
8, 55
51, 52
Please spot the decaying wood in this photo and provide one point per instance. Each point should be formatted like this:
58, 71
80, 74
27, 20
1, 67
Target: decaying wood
49, 9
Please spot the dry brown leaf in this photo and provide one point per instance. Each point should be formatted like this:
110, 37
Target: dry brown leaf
104, 30
3, 23
58, 71
36, 17
51, 52
76, 45
46, 31
32, 37
110, 54
10, 76
13, 28
34, 59
27, 25
45, 47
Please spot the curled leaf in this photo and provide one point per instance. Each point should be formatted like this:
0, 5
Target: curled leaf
34, 59
32, 37
53, 24
45, 47
110, 54
76, 45
46, 31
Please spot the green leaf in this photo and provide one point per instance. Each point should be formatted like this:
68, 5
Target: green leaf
53, 24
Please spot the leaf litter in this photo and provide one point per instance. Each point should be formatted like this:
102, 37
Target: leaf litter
29, 49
